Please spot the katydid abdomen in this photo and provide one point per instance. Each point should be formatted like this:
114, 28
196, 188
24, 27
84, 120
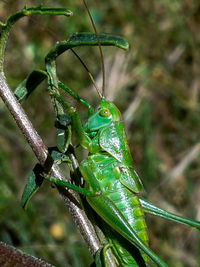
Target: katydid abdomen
107, 171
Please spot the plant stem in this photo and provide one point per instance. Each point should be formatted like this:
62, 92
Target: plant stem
10, 256
37, 145
39, 10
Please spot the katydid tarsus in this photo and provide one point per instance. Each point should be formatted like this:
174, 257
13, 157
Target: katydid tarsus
111, 186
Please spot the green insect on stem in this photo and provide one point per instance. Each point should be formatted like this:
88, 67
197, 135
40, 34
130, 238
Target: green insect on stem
106, 116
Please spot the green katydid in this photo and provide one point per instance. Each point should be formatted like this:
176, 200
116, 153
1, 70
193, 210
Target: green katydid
111, 185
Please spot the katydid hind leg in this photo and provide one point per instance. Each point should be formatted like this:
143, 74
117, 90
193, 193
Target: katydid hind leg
153, 210
101, 258
108, 211
126, 253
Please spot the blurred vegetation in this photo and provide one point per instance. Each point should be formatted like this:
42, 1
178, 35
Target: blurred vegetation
156, 85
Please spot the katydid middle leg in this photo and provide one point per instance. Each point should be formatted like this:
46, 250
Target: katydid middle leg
68, 185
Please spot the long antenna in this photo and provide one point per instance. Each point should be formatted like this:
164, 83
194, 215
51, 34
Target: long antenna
89, 73
99, 45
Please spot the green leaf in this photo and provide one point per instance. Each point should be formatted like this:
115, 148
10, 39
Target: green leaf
39, 10
89, 39
63, 131
33, 184
53, 11
25, 88
86, 39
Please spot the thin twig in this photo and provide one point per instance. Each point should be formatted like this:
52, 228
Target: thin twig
41, 153
10, 256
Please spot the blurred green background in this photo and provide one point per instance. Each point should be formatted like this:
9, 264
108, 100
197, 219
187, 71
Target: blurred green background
156, 85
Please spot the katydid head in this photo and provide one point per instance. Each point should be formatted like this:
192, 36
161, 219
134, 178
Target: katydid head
104, 116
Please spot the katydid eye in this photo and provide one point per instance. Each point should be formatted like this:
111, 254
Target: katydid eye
104, 112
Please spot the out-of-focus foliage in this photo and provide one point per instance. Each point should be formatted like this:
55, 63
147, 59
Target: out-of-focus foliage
156, 86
